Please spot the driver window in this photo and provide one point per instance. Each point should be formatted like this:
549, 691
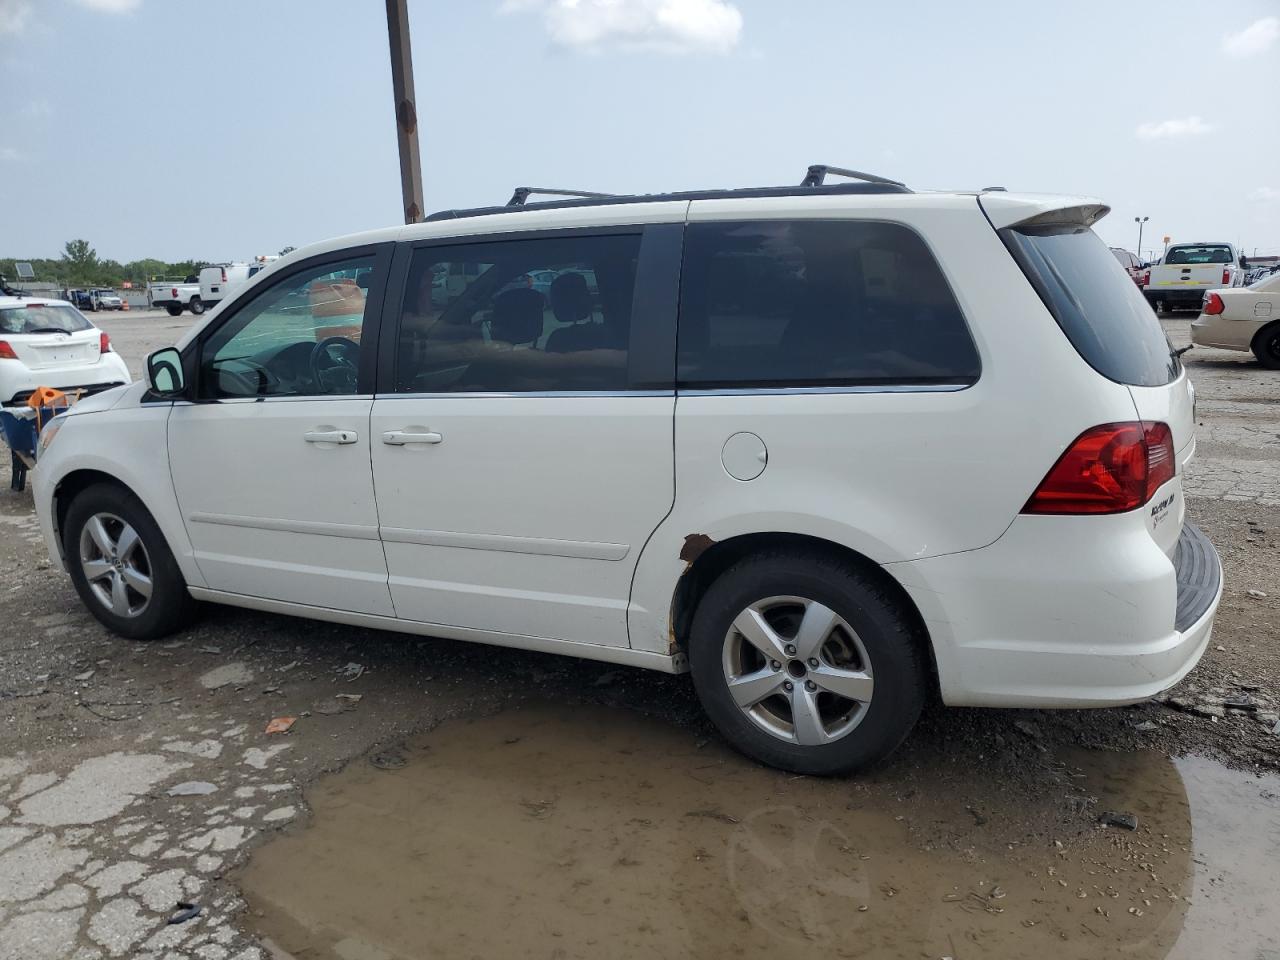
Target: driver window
299, 337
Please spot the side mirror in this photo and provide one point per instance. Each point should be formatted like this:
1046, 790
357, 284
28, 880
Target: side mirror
164, 374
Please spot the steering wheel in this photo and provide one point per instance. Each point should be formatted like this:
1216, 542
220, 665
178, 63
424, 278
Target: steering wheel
340, 370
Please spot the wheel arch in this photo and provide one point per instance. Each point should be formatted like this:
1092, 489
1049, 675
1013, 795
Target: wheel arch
714, 558
1266, 330
73, 484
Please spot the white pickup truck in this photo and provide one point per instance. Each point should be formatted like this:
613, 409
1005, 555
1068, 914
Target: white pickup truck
176, 296
1188, 270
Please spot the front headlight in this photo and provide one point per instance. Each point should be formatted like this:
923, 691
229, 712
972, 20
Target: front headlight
47, 433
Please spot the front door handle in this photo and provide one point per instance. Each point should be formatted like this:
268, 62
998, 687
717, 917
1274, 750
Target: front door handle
398, 438
330, 436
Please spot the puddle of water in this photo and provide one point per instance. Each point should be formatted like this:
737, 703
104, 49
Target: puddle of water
574, 832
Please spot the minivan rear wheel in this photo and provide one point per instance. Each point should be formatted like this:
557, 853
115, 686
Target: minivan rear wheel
1266, 346
806, 663
121, 565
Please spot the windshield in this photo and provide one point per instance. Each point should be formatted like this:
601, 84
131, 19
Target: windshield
1098, 307
42, 318
1210, 253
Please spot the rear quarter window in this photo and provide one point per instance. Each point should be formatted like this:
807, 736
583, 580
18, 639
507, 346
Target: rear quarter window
1101, 311
817, 303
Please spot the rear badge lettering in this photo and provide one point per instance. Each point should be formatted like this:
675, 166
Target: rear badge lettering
1161, 510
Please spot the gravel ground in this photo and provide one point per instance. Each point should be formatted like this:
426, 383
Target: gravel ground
97, 733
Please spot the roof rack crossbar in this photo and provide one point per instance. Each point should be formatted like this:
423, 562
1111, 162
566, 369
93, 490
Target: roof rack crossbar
817, 175
522, 194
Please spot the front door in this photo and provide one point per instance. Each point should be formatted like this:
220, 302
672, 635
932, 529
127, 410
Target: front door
522, 449
271, 464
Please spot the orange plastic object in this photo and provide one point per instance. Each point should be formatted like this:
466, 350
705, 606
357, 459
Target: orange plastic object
46, 397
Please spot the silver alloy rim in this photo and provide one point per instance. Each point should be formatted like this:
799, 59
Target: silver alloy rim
115, 564
797, 670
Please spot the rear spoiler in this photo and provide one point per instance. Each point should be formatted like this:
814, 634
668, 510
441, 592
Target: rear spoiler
1028, 210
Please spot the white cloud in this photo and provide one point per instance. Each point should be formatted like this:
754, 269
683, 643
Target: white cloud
1165, 129
37, 109
1257, 37
111, 6
14, 15
1266, 195
665, 26
9, 153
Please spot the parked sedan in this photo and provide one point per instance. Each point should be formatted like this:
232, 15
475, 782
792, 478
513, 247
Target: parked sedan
1243, 318
49, 343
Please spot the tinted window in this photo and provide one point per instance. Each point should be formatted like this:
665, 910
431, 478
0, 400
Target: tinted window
1102, 312
518, 315
1208, 253
299, 337
782, 303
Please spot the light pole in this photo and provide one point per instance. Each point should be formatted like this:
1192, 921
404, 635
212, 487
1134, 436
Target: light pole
406, 110
1140, 221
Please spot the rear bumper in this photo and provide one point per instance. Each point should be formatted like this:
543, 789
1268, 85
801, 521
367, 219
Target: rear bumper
1184, 296
19, 382
1067, 612
1217, 331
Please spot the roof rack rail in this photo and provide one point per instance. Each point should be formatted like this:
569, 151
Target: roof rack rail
817, 175
522, 194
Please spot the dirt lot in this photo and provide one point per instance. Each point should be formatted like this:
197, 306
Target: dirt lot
494, 803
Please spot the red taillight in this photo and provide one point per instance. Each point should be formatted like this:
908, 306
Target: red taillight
1108, 469
6, 352
224, 274
1146, 278
1226, 276
174, 293
104, 343
1213, 305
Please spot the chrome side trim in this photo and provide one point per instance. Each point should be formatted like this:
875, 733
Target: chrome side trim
524, 395
865, 388
577, 549
349, 531
625, 656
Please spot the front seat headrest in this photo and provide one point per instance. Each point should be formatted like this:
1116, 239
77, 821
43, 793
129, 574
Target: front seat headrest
517, 316
571, 298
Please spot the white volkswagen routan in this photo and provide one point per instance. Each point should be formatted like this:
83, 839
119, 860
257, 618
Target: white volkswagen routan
835, 449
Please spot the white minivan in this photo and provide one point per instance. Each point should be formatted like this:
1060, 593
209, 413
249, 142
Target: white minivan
836, 449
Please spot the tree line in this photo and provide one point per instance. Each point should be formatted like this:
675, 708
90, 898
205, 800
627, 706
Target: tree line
80, 266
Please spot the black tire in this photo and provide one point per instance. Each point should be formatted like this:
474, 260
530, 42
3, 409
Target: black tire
1266, 346
894, 649
169, 606
197, 306
174, 311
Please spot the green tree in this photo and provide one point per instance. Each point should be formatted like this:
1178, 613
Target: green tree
81, 262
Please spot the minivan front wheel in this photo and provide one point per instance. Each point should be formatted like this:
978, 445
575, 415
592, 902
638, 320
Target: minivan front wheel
121, 565
806, 663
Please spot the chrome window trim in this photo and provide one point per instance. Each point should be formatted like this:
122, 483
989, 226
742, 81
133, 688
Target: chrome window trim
486, 395
851, 388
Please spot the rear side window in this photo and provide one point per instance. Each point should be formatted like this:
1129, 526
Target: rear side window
1098, 307
539, 315
814, 303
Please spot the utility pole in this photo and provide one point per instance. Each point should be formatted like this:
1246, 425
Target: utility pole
406, 110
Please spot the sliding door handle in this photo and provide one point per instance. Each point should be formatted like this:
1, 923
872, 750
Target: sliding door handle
330, 436
398, 438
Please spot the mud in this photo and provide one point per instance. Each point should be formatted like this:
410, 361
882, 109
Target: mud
578, 831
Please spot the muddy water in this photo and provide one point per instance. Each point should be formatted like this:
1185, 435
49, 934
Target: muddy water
566, 832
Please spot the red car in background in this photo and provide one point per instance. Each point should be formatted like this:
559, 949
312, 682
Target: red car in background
1132, 265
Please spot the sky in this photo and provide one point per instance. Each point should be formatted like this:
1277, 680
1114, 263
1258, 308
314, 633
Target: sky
221, 129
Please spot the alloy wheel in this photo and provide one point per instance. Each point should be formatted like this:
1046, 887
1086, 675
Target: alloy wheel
116, 565
797, 670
